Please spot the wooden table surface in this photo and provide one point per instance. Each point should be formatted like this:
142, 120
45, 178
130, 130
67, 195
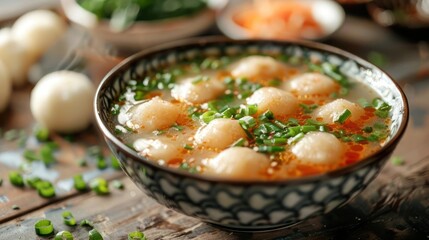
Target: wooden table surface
394, 206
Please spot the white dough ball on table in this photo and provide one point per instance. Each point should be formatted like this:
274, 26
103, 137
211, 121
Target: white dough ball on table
199, 89
38, 30
154, 114
220, 133
255, 67
62, 101
319, 148
15, 57
279, 102
238, 163
5, 87
330, 112
311, 84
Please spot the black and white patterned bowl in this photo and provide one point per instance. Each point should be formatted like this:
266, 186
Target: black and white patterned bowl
240, 205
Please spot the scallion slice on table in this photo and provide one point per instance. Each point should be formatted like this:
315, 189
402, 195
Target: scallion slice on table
45, 189
16, 179
95, 235
137, 235
86, 223
44, 227
118, 184
79, 183
68, 218
100, 186
64, 235
41, 134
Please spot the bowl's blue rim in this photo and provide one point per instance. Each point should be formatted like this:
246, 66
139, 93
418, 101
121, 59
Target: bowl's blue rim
201, 42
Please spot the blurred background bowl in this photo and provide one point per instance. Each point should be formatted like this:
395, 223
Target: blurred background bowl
139, 34
274, 19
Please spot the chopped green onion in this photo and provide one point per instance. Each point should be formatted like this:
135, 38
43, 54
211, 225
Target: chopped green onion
199, 79
177, 127
308, 108
239, 143
267, 115
32, 182
308, 128
358, 138
343, 116
296, 138
116, 164
276, 141
68, 218
280, 124
99, 186
15, 207
115, 109
209, 116
270, 149
44, 227
158, 132
16, 179
86, 223
367, 129
380, 126
397, 161
79, 183
30, 155
137, 235
101, 163
364, 103
118, 184
41, 134
293, 122
188, 147
47, 154
247, 122
95, 235
313, 122
274, 82
382, 108
45, 189
64, 235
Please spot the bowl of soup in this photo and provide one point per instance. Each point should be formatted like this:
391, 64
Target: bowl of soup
250, 135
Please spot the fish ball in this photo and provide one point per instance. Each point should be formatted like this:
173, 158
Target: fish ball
154, 114
330, 112
279, 102
238, 163
220, 133
318, 148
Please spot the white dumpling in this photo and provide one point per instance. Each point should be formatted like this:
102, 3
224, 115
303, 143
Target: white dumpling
311, 84
5, 87
238, 163
279, 102
38, 30
158, 149
318, 148
255, 67
15, 57
154, 114
62, 101
219, 133
198, 89
330, 112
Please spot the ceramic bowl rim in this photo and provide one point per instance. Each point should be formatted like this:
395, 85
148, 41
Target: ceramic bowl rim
203, 41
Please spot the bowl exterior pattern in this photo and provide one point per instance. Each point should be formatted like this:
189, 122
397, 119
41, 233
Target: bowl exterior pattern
235, 205
240, 207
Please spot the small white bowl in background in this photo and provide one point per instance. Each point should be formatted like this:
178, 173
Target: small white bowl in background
327, 13
142, 33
